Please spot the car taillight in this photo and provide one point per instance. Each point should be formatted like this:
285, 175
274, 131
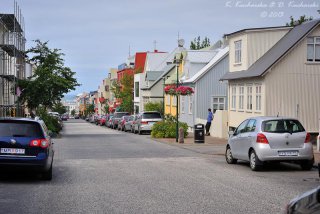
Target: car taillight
261, 138
43, 143
308, 138
144, 122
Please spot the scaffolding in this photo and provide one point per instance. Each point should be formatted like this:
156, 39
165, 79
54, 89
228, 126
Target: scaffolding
12, 61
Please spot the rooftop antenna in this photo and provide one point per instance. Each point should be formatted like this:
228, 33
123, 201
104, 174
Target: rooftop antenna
155, 45
129, 51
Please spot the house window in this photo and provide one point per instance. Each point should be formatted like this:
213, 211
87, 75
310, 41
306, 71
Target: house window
313, 49
145, 100
182, 104
258, 97
174, 101
136, 88
106, 88
233, 97
218, 103
190, 104
249, 97
109, 75
241, 97
237, 51
168, 100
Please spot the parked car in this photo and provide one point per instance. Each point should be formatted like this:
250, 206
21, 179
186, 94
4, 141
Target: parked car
103, 120
146, 120
98, 119
76, 117
270, 139
308, 202
64, 117
123, 120
109, 121
26, 144
117, 117
134, 124
127, 125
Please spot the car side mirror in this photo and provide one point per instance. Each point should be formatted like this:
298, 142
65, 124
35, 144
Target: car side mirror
231, 133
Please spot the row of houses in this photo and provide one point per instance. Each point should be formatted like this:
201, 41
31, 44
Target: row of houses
266, 71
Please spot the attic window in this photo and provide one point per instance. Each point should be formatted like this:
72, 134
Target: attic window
237, 50
313, 49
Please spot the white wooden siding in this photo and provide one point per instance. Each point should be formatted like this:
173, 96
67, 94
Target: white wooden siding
293, 86
259, 42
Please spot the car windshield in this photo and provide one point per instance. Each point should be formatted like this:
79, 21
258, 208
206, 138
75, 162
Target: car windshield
20, 129
282, 126
126, 118
150, 115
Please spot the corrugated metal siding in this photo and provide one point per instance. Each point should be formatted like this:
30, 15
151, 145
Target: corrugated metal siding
292, 88
260, 42
209, 86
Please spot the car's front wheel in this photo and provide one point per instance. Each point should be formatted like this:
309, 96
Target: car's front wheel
255, 163
229, 157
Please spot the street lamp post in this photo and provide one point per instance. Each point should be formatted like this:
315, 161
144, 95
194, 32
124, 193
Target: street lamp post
164, 84
177, 61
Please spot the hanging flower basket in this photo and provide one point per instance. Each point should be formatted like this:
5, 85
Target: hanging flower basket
170, 89
184, 91
102, 100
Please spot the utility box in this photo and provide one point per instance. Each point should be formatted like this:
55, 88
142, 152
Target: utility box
199, 133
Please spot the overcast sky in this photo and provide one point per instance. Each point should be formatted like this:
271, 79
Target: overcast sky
95, 35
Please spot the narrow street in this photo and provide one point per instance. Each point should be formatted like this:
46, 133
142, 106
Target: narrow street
100, 170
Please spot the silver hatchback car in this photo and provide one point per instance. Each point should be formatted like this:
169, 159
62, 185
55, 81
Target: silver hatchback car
268, 139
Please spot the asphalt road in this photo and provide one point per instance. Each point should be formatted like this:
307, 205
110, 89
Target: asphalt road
99, 170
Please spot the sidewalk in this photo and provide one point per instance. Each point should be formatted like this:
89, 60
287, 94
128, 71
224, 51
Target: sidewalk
212, 146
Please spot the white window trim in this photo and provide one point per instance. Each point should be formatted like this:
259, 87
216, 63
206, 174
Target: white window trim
248, 88
241, 95
238, 52
233, 95
190, 106
174, 101
182, 104
168, 98
256, 95
314, 43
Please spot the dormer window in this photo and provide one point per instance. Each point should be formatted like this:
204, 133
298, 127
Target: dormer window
313, 49
237, 51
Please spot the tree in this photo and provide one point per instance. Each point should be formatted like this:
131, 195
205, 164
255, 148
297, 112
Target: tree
299, 21
154, 106
59, 107
51, 79
89, 109
197, 44
123, 90
106, 109
73, 112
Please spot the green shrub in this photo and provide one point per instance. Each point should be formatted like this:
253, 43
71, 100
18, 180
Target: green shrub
167, 128
51, 122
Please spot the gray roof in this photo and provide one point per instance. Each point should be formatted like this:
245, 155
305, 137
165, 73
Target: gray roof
165, 71
274, 54
153, 75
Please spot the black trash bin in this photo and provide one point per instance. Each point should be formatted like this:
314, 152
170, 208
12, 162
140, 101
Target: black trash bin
199, 133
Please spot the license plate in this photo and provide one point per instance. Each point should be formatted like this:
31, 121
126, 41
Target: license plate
12, 151
288, 153
151, 123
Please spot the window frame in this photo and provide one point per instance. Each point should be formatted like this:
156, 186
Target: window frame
249, 97
258, 96
234, 97
190, 106
241, 98
314, 45
168, 100
238, 52
182, 104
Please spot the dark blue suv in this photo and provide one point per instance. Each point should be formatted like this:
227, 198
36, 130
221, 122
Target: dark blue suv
26, 144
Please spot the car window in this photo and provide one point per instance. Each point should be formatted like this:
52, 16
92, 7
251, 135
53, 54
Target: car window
282, 126
251, 126
119, 115
20, 129
242, 127
151, 115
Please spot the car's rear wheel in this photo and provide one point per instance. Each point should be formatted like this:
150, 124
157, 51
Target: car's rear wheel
255, 163
307, 164
229, 157
47, 175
